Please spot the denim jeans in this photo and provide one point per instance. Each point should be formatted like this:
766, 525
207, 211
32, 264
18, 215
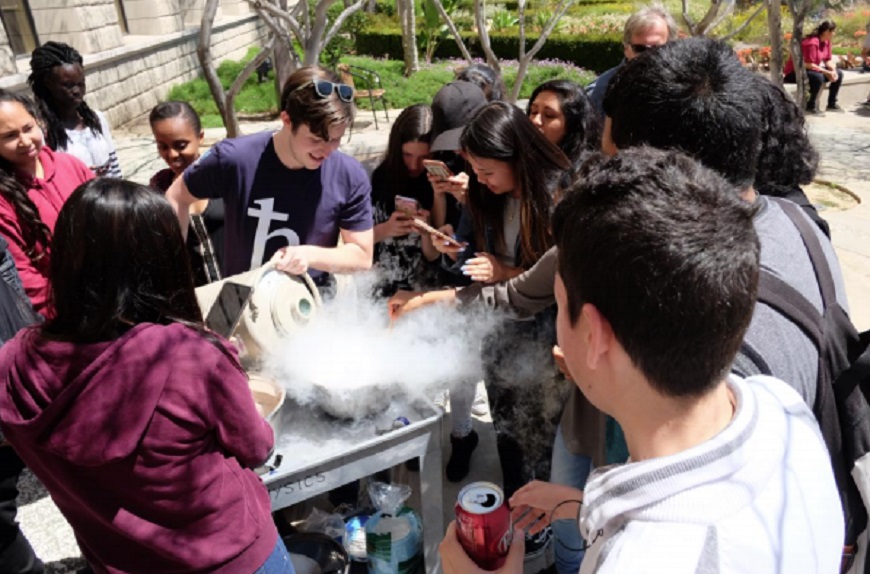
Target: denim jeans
278, 561
571, 470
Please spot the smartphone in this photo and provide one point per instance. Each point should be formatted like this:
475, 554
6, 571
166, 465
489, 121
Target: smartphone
438, 168
225, 314
407, 205
429, 229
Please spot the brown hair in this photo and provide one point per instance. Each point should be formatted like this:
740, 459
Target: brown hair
304, 106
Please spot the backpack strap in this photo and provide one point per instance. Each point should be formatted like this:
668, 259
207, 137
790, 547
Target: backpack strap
824, 276
787, 301
751, 353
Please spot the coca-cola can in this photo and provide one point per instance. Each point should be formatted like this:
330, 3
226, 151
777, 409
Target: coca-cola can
483, 524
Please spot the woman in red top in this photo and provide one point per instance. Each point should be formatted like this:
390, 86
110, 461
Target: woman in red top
34, 184
816, 49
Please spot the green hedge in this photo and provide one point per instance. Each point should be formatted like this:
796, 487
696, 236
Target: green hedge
596, 53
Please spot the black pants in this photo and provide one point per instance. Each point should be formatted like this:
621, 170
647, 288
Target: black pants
817, 80
16, 555
525, 399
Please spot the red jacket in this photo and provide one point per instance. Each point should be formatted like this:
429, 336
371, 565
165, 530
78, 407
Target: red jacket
815, 52
143, 443
63, 174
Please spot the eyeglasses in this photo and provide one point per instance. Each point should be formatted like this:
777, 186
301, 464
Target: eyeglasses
639, 48
325, 88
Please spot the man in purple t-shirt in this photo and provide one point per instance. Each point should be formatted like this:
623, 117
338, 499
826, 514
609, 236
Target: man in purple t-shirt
289, 195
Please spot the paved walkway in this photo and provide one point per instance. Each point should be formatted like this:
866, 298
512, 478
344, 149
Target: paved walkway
843, 141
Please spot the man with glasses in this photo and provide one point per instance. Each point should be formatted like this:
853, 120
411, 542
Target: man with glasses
648, 27
289, 195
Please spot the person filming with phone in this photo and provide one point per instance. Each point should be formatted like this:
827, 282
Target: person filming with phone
401, 192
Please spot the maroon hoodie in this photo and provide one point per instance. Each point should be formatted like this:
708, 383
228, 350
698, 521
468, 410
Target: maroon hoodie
143, 443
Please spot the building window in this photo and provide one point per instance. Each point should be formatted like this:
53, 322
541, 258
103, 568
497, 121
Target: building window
19, 26
122, 16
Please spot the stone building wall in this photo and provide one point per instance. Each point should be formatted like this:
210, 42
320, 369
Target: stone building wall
128, 80
7, 59
129, 85
89, 25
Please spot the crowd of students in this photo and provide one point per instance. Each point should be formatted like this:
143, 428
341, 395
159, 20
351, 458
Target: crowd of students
623, 230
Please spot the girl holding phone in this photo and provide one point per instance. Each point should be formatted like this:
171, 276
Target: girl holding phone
401, 192
507, 227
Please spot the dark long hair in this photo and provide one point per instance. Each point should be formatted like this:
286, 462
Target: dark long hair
34, 231
414, 124
822, 28
582, 128
503, 132
43, 61
118, 260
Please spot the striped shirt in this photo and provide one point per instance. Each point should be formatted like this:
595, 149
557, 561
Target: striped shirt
758, 497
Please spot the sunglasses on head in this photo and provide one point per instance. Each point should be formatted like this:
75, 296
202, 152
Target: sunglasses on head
325, 88
639, 48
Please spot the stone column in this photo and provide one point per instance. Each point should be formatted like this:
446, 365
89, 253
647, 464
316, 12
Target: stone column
89, 29
7, 59
153, 17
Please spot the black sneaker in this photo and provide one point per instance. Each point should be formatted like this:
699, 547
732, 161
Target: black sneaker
537, 543
460, 456
835, 108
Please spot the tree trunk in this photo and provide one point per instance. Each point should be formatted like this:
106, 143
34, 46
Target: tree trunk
243, 76
482, 33
774, 24
799, 10
284, 57
525, 58
409, 35
203, 52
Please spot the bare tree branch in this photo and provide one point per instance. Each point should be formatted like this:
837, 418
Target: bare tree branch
249, 68
690, 24
339, 22
275, 11
203, 52
740, 28
483, 34
521, 9
452, 27
526, 57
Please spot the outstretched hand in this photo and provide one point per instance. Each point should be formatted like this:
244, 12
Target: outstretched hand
454, 560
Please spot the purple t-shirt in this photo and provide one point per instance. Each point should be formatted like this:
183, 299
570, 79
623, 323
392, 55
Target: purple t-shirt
269, 206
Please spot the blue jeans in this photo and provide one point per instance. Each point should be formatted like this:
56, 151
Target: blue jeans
278, 561
571, 470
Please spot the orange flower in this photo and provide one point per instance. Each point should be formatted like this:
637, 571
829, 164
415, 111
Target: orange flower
860, 33
787, 36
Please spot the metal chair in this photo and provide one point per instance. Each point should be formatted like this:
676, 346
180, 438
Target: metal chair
372, 90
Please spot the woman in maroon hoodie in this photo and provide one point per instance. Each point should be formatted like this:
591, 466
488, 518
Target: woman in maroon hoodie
138, 421
34, 183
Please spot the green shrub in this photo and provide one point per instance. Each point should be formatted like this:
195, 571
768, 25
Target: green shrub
592, 52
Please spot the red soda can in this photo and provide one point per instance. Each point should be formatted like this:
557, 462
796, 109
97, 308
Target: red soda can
483, 524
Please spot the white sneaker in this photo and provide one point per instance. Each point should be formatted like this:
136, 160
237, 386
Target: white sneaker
480, 406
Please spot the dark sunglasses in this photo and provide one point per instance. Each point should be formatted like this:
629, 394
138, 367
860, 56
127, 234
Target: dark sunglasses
639, 48
325, 88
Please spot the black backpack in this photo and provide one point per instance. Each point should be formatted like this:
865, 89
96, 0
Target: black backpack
842, 403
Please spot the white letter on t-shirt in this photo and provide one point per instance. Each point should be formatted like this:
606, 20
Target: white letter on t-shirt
265, 216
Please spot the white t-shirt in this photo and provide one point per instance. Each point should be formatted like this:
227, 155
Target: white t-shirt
97, 151
758, 497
